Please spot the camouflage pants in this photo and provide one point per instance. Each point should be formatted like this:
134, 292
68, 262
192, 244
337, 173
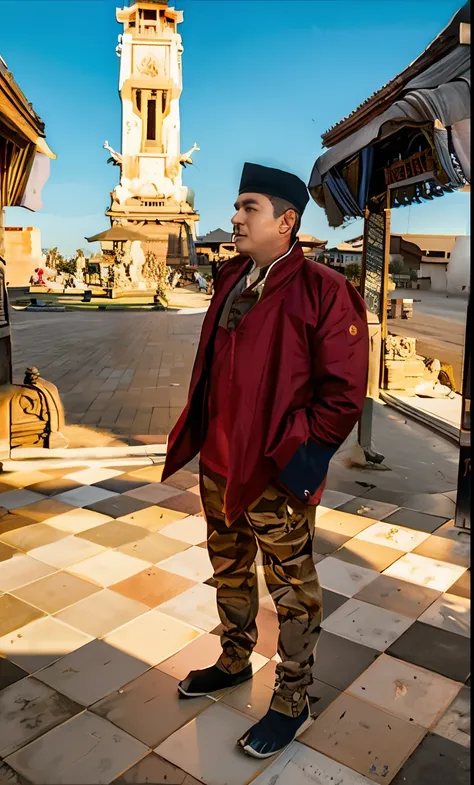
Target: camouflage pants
284, 531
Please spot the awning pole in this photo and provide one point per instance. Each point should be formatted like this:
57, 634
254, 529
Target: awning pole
463, 499
377, 324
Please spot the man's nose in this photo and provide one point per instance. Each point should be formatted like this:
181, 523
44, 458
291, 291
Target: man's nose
235, 220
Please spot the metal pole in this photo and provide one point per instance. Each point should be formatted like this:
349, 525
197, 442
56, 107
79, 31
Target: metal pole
463, 500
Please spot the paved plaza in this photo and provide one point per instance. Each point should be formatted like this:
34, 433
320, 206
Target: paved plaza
107, 599
125, 372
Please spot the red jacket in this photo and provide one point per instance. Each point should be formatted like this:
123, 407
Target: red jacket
299, 378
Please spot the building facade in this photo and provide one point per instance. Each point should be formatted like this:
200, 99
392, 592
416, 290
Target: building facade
23, 253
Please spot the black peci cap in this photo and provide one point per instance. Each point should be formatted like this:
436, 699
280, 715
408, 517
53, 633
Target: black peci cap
259, 179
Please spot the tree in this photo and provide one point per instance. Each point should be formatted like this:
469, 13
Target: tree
396, 267
353, 272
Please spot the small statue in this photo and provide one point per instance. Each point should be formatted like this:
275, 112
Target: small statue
31, 376
115, 159
185, 158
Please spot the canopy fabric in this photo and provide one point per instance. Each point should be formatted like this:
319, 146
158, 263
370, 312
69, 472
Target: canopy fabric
449, 102
439, 98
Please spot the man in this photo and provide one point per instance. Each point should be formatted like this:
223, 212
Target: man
278, 384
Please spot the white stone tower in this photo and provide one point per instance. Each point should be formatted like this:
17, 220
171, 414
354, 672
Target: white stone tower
151, 198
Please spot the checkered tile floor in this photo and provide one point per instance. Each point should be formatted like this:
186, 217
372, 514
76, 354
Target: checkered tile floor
107, 600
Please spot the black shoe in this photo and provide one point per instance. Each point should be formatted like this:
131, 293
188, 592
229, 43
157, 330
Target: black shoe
274, 732
199, 683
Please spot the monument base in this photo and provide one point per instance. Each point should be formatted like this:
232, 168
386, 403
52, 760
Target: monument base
167, 231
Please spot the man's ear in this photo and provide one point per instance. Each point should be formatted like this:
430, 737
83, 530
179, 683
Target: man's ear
288, 220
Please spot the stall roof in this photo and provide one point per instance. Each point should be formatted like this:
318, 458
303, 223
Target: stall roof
379, 101
118, 234
216, 236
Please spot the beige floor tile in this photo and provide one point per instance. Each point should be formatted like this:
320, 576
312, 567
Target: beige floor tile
114, 534
455, 724
343, 577
20, 570
206, 747
298, 762
254, 697
191, 530
107, 567
154, 548
334, 499
28, 709
152, 637
7, 552
426, 572
392, 536
78, 520
153, 587
154, 493
42, 511
368, 555
447, 549
56, 592
149, 473
12, 521
154, 770
101, 613
90, 673
364, 738
451, 613
86, 750
38, 644
153, 518
66, 552
15, 614
28, 537
21, 479
193, 563
411, 693
200, 653
84, 496
398, 596
344, 523
196, 606
92, 475
138, 707
374, 627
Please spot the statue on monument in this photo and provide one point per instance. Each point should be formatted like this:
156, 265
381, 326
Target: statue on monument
168, 188
115, 157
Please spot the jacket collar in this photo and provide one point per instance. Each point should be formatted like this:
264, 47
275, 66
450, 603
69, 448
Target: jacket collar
279, 274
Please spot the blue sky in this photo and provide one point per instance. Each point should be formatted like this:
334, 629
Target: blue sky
262, 81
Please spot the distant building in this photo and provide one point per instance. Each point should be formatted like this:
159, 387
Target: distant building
436, 250
23, 252
216, 245
312, 247
428, 255
349, 252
